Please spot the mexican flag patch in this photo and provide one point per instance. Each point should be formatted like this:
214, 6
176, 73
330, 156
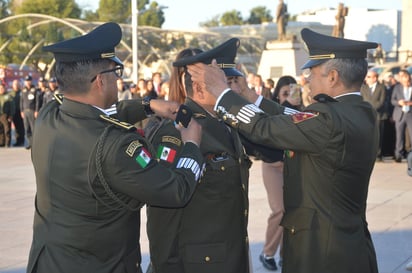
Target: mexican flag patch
166, 153
143, 158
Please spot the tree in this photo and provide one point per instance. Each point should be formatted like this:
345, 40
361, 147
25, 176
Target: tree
4, 8
231, 18
259, 15
214, 22
118, 11
153, 16
57, 8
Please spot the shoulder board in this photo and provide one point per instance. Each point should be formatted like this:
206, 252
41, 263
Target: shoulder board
58, 98
118, 123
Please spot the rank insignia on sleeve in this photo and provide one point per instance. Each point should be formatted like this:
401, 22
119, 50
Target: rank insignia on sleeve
133, 147
302, 116
166, 153
143, 158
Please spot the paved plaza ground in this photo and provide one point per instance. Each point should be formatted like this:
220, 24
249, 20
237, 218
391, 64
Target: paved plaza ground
389, 213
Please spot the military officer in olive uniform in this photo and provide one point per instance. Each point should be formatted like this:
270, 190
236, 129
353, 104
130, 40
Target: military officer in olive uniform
210, 233
28, 112
330, 153
93, 172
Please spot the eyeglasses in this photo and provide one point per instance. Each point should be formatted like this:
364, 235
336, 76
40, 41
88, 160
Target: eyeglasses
118, 70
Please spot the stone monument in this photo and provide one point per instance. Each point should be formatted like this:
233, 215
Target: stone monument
282, 58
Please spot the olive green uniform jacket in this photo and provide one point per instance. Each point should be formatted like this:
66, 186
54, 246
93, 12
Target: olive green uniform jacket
210, 233
330, 153
93, 174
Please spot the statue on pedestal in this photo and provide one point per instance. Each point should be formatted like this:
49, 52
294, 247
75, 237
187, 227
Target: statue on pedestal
340, 21
282, 17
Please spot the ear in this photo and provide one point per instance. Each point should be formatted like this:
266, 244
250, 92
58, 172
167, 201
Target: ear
333, 77
198, 91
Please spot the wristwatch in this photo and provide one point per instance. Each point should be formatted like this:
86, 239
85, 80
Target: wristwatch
146, 103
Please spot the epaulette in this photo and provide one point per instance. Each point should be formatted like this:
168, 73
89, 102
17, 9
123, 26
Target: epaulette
58, 97
118, 123
324, 98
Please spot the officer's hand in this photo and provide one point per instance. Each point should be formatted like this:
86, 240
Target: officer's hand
245, 91
210, 76
193, 132
163, 108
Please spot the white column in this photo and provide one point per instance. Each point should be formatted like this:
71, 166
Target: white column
135, 69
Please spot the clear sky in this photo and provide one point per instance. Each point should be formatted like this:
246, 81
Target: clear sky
186, 14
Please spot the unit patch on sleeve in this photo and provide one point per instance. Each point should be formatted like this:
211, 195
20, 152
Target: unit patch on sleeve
302, 116
143, 158
172, 139
166, 154
133, 147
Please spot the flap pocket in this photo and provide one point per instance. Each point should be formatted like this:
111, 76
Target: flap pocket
298, 219
205, 253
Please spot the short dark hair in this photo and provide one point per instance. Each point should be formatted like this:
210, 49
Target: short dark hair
74, 77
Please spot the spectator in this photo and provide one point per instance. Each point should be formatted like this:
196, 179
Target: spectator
7, 110
259, 87
17, 119
122, 92
51, 91
374, 92
157, 82
42, 88
402, 114
28, 108
270, 84
389, 135
164, 91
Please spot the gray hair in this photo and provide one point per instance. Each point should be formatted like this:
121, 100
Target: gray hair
352, 72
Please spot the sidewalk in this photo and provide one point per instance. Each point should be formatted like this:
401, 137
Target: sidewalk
389, 214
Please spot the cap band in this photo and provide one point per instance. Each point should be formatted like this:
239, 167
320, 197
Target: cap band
223, 65
323, 56
107, 55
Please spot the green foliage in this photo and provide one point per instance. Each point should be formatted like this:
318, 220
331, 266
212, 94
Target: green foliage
57, 8
152, 16
259, 15
117, 11
4, 8
90, 15
231, 18
141, 4
214, 22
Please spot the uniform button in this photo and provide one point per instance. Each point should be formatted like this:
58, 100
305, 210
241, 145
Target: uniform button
292, 231
224, 117
245, 212
207, 259
247, 239
243, 186
222, 168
